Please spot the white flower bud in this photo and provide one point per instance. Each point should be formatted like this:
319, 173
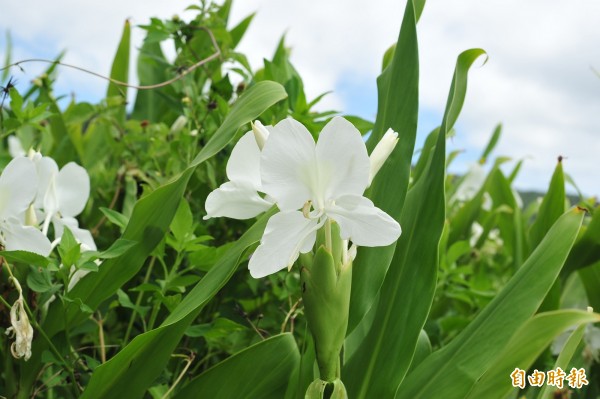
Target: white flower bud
179, 124
382, 151
20, 327
261, 134
15, 149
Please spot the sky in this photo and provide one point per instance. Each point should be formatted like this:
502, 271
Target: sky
539, 80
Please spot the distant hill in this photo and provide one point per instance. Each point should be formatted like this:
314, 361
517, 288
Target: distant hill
529, 196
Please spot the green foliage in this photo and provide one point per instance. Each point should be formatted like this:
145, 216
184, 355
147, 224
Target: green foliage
397, 95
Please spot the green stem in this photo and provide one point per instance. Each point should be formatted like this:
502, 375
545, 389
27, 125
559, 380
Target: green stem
328, 242
153, 314
138, 301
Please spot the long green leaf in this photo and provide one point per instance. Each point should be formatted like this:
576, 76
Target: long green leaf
452, 371
379, 365
261, 371
491, 144
247, 108
510, 224
151, 69
238, 31
398, 98
552, 206
120, 71
586, 250
524, 347
7, 56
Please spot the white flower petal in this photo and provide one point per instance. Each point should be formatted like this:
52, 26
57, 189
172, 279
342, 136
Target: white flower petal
244, 162
236, 201
343, 160
24, 238
81, 235
72, 189
288, 165
47, 169
287, 235
18, 186
363, 223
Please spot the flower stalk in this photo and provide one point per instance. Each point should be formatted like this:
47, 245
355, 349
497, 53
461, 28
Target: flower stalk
326, 284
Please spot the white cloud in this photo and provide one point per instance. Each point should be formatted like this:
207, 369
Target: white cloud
537, 82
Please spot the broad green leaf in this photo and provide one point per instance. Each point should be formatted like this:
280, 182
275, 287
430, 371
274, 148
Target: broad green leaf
120, 71
397, 108
452, 371
115, 217
304, 373
259, 371
254, 101
379, 365
524, 347
553, 205
28, 258
40, 280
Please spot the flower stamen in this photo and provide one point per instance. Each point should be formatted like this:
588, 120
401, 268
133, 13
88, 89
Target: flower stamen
306, 209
